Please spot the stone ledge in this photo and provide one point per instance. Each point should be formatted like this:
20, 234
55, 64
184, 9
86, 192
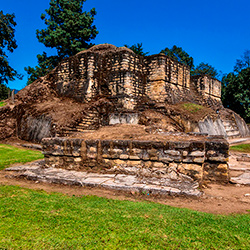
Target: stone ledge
37, 172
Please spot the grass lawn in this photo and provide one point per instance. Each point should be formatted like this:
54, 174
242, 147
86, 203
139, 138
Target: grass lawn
192, 107
2, 104
244, 148
10, 155
38, 220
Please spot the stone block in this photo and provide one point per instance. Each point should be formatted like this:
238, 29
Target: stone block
147, 164
124, 157
172, 152
195, 171
158, 164
135, 163
197, 153
92, 149
199, 160
117, 151
184, 153
119, 162
216, 172
134, 157
78, 159
218, 158
92, 156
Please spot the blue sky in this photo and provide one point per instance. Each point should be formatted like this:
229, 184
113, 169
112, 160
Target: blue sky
214, 31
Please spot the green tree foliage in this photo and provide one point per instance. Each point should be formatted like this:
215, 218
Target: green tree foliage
7, 43
137, 48
46, 64
243, 63
4, 92
69, 30
235, 87
236, 92
177, 53
204, 69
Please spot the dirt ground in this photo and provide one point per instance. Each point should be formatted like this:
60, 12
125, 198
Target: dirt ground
217, 199
135, 132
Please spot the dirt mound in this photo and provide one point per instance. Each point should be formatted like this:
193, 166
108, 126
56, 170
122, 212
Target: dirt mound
190, 111
133, 132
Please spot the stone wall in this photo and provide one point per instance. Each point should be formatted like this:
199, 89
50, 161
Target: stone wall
127, 78
203, 159
208, 86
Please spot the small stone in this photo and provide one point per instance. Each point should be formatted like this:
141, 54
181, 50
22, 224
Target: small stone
124, 157
211, 152
117, 151
198, 160
92, 150
218, 159
197, 153
78, 159
158, 164
172, 152
134, 157
184, 153
135, 163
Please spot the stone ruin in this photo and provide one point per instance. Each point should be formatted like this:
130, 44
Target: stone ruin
110, 86
133, 84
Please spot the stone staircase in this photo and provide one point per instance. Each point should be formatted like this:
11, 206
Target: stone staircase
231, 128
90, 121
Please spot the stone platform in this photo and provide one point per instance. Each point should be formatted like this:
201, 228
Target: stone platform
176, 184
200, 158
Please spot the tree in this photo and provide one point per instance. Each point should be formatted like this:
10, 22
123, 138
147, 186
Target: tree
46, 64
137, 48
235, 87
4, 92
7, 43
236, 92
243, 63
177, 53
204, 69
69, 30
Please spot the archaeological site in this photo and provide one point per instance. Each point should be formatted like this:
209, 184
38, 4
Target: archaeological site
107, 110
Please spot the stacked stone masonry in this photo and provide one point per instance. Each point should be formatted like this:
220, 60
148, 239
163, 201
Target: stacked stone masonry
202, 160
128, 78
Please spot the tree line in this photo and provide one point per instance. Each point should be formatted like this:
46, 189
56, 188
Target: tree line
70, 29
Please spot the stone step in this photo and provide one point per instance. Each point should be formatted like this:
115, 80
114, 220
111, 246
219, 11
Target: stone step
231, 130
85, 130
235, 134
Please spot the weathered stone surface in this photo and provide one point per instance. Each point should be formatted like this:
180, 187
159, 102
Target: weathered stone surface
193, 170
216, 172
126, 156
149, 185
243, 179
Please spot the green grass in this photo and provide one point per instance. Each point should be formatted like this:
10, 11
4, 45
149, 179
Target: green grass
192, 107
244, 148
10, 155
37, 220
2, 104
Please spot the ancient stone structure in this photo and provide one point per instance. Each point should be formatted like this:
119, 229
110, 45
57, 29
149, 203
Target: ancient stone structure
202, 158
106, 85
130, 79
134, 83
